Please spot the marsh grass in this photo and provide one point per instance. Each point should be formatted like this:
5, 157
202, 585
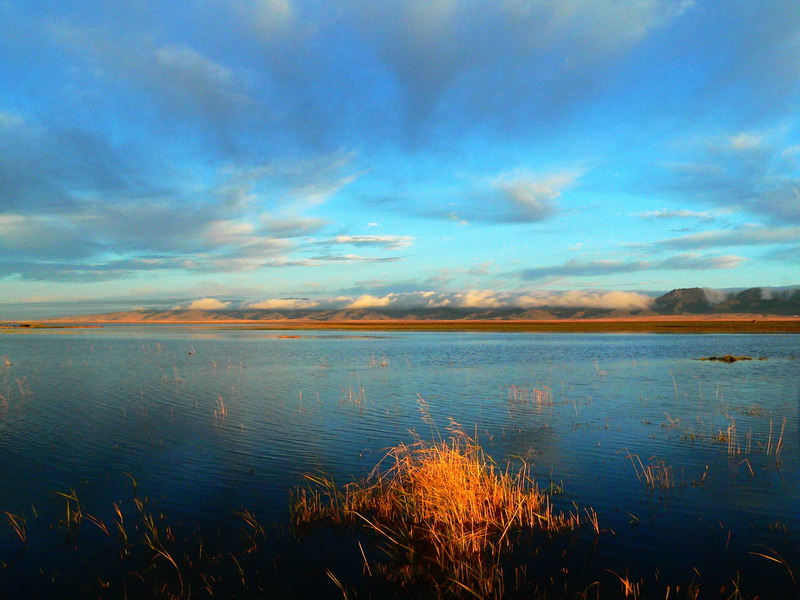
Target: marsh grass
656, 474
444, 511
530, 395
139, 554
24, 386
19, 524
356, 396
221, 411
775, 450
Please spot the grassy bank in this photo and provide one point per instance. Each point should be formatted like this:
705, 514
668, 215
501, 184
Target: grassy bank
621, 326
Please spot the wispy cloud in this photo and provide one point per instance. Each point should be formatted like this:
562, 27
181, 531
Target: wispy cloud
743, 171
283, 304
515, 196
702, 216
353, 258
788, 254
743, 236
481, 56
289, 226
41, 167
390, 242
185, 84
304, 182
72, 210
578, 268
530, 198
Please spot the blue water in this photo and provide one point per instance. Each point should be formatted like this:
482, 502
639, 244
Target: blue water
207, 422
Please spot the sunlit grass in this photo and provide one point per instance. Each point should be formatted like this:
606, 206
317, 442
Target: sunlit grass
445, 509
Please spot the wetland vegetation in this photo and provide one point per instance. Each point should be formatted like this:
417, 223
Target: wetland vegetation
145, 462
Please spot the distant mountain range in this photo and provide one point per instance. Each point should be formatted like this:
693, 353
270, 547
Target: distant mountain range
685, 301
703, 301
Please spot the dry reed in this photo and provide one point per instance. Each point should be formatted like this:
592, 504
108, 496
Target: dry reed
445, 509
534, 396
656, 474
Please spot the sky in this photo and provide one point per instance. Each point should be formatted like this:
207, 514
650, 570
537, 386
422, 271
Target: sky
301, 154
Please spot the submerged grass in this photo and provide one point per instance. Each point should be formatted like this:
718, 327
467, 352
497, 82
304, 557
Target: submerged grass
444, 510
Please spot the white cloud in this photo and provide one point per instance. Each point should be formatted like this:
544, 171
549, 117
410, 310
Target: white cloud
488, 299
206, 304
745, 141
227, 232
531, 198
477, 299
368, 301
284, 304
715, 296
588, 299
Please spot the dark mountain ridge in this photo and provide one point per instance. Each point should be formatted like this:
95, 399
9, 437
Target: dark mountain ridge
703, 301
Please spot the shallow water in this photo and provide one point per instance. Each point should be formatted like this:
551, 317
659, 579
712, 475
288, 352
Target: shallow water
209, 422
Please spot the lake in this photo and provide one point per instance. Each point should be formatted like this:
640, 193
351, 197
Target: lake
200, 429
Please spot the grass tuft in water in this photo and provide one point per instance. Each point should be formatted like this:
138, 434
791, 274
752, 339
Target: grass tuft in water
444, 510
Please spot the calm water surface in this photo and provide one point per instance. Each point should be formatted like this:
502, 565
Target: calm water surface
206, 423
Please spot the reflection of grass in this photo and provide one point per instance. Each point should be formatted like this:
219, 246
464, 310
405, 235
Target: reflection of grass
445, 511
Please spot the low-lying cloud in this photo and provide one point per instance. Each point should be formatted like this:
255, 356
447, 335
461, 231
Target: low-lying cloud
204, 304
468, 299
588, 299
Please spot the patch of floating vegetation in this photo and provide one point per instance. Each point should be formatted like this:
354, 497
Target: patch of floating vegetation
730, 358
28, 327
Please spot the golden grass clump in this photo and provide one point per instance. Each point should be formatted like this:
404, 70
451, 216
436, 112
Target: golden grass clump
447, 511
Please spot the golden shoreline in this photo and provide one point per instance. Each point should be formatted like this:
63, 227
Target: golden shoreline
559, 326
664, 324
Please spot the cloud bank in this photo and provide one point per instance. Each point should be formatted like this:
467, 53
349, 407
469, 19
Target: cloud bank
472, 299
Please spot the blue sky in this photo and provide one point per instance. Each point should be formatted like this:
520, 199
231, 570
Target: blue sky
283, 153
